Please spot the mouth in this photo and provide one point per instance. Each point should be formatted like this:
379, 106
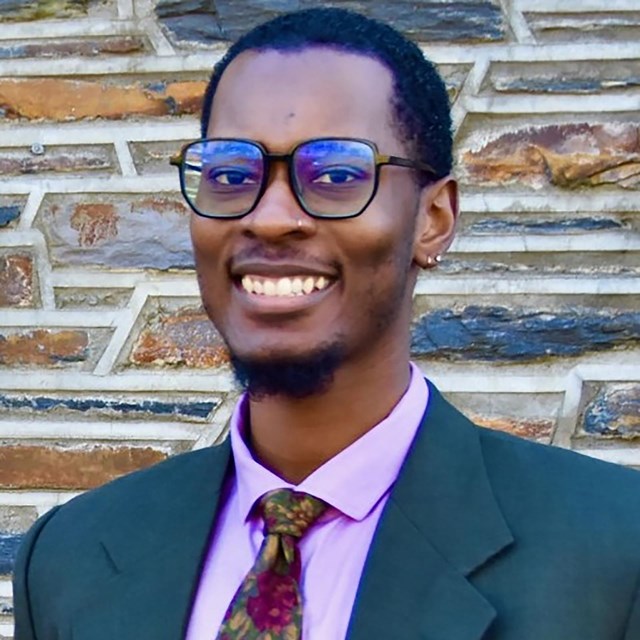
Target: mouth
285, 286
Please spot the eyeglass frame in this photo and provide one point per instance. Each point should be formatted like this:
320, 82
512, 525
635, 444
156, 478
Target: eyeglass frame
178, 160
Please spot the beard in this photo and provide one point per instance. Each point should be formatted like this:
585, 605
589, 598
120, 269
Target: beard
295, 378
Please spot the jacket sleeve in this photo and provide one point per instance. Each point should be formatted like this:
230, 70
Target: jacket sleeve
24, 623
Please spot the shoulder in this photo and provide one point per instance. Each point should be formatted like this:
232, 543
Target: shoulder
143, 491
533, 481
154, 494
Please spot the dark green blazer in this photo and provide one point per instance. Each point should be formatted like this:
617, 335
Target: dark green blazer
485, 536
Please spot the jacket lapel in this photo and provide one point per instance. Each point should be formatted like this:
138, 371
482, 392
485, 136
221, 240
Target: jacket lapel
154, 578
440, 524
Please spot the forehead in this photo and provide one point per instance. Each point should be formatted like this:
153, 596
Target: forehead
281, 98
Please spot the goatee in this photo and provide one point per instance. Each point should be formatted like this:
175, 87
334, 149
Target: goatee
290, 377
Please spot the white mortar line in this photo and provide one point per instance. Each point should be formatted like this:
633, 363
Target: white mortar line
584, 6
43, 267
171, 430
6, 629
158, 40
114, 184
596, 203
609, 373
217, 381
67, 28
125, 9
596, 241
568, 415
517, 22
83, 133
545, 285
61, 319
39, 499
5, 588
31, 208
628, 457
119, 338
471, 85
538, 104
127, 166
482, 383
180, 285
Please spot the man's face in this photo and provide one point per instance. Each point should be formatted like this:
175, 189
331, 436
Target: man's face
362, 268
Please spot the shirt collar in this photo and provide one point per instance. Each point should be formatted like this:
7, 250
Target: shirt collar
355, 479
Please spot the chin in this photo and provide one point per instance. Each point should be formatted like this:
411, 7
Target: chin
279, 373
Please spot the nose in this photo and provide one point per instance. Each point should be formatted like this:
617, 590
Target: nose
278, 214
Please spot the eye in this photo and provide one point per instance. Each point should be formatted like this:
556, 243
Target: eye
338, 175
231, 177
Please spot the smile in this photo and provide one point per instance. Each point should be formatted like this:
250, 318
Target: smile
284, 287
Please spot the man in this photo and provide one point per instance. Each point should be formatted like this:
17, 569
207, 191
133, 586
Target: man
321, 186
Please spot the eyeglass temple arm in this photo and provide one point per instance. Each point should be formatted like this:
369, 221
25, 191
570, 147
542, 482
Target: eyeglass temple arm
403, 162
177, 160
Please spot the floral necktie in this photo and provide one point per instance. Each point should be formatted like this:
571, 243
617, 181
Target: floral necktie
268, 603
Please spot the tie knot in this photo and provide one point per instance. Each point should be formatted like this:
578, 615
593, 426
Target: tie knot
290, 512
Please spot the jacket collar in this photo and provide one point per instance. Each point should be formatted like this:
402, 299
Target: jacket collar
441, 523
154, 576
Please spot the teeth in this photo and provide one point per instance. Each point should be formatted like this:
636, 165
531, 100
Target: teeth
283, 287
296, 285
270, 288
307, 285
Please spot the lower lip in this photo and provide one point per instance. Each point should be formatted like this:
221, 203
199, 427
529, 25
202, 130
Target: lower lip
280, 305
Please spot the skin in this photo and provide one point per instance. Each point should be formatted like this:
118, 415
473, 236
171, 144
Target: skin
372, 260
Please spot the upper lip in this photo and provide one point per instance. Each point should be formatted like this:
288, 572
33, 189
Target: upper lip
272, 269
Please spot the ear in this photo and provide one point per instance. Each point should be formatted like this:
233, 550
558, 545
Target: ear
436, 221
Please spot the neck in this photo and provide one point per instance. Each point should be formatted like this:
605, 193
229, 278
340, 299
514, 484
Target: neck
293, 437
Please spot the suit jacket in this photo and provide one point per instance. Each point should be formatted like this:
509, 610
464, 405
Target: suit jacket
485, 536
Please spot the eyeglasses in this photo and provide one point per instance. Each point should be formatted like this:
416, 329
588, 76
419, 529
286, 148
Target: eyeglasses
330, 177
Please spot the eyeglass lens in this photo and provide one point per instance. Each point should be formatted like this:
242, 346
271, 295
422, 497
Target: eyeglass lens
331, 177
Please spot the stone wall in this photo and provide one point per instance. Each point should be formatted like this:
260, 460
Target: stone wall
107, 362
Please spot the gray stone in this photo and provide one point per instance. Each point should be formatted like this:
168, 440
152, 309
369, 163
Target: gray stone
614, 412
495, 334
16, 519
204, 21
108, 408
149, 232
9, 544
9, 213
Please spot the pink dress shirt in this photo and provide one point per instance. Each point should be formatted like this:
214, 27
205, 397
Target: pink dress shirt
356, 483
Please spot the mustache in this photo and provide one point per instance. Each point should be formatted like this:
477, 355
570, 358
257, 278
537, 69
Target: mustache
281, 253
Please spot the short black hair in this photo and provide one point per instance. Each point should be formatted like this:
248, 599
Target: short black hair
420, 101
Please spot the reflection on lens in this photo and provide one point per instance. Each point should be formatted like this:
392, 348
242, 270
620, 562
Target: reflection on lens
222, 177
334, 177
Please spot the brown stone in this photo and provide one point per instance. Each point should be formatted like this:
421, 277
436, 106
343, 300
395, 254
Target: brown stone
538, 430
42, 467
94, 223
92, 159
118, 45
43, 347
186, 338
565, 155
16, 281
85, 99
